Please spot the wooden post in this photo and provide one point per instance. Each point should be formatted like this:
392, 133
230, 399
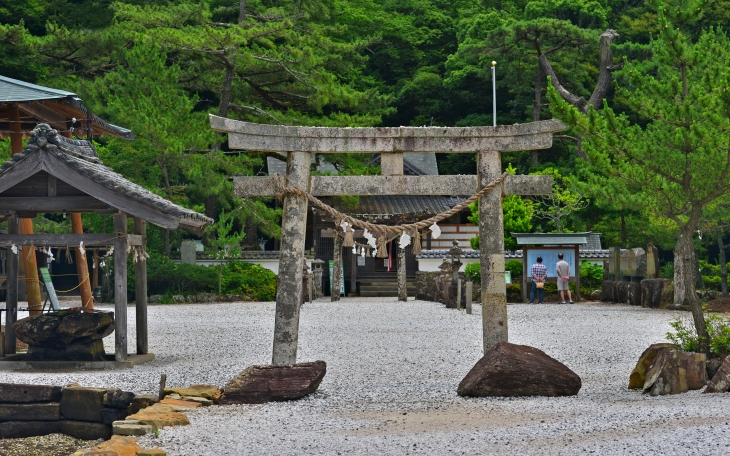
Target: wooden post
469, 296
336, 269
402, 282
32, 285
458, 294
140, 290
95, 276
120, 286
491, 252
525, 291
82, 267
11, 302
353, 274
577, 274
289, 289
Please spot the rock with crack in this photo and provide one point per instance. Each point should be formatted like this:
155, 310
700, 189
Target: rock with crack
260, 384
519, 370
638, 375
720, 382
675, 372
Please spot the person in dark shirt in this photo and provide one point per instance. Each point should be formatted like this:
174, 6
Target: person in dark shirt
539, 273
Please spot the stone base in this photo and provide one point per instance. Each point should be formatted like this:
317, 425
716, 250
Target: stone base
260, 384
93, 351
86, 430
675, 372
657, 294
18, 363
22, 429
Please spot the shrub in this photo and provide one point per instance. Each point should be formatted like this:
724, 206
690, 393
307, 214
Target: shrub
474, 272
685, 335
667, 271
514, 267
712, 282
514, 288
250, 279
591, 275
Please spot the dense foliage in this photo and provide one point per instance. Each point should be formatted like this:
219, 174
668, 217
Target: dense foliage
160, 67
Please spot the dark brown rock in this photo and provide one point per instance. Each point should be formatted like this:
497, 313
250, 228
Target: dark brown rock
110, 415
65, 327
622, 292
86, 430
20, 393
30, 412
22, 429
608, 291
675, 372
259, 384
90, 351
657, 293
638, 375
142, 401
720, 382
118, 399
713, 365
82, 404
518, 370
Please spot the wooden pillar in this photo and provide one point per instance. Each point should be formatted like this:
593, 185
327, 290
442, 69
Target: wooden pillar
291, 257
95, 274
120, 286
402, 283
577, 273
82, 267
336, 268
16, 138
469, 296
353, 274
32, 286
525, 279
11, 302
491, 252
140, 290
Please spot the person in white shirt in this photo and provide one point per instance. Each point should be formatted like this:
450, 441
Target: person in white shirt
563, 270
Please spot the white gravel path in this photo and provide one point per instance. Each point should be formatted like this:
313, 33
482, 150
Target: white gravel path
392, 373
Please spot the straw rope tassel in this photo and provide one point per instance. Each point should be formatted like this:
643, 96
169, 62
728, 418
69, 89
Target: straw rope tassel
416, 243
382, 251
349, 241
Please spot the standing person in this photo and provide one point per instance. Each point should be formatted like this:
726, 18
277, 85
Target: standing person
539, 273
563, 270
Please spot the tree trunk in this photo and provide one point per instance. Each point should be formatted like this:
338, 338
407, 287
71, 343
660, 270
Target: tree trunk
242, 11
723, 262
684, 284
698, 271
536, 107
251, 240
624, 240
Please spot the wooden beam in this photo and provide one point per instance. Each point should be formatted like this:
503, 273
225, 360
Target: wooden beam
140, 292
120, 287
52, 186
279, 138
89, 239
393, 185
52, 203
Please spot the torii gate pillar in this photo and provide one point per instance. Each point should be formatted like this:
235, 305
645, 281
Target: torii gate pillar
300, 142
491, 253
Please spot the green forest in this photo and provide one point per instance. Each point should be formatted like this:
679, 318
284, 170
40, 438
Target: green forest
643, 85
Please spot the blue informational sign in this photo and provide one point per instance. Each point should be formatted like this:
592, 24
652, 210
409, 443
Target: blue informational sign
550, 259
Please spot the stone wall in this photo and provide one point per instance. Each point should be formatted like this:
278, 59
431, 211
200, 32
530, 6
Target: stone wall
427, 287
84, 413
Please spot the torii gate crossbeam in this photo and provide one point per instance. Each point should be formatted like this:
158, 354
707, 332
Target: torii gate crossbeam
300, 142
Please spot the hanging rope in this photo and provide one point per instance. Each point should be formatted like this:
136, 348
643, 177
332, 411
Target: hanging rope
292, 190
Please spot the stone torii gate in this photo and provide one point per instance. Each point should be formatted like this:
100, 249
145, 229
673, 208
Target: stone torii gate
299, 143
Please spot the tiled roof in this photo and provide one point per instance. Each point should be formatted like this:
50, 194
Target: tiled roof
81, 155
517, 254
397, 206
15, 91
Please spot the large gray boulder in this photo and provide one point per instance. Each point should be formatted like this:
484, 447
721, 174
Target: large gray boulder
519, 370
657, 293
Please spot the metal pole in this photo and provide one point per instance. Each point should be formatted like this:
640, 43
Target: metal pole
494, 93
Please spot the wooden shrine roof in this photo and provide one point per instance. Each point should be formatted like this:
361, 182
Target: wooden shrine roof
76, 163
394, 208
38, 104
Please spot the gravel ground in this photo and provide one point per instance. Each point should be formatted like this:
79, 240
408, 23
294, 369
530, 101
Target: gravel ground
393, 369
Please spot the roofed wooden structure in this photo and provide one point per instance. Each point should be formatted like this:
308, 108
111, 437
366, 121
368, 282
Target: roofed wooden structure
57, 174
